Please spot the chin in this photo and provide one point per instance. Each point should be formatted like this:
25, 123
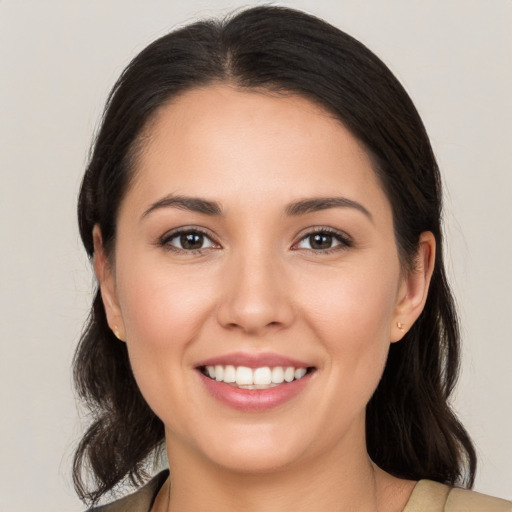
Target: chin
255, 449
253, 460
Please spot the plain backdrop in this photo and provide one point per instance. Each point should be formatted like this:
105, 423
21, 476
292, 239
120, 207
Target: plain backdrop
58, 60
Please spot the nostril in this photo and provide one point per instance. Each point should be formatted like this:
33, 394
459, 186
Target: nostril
254, 309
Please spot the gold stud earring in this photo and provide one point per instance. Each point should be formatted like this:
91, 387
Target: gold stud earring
116, 333
400, 325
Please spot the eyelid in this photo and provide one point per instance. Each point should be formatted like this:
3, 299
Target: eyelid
345, 240
174, 233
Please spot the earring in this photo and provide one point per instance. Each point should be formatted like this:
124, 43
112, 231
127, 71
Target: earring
116, 333
400, 325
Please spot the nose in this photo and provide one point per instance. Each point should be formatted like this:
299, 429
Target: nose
256, 296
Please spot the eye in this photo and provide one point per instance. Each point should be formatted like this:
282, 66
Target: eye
324, 241
191, 240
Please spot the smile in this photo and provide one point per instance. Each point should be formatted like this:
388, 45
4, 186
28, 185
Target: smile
243, 377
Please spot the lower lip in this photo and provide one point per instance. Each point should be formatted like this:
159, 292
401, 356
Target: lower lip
254, 399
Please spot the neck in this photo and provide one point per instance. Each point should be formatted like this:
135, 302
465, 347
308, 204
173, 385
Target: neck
337, 482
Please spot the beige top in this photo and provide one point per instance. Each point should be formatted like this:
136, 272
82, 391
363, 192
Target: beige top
427, 496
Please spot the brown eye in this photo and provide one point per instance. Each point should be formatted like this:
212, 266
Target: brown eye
188, 241
324, 241
320, 241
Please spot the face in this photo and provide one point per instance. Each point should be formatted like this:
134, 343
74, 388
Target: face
256, 245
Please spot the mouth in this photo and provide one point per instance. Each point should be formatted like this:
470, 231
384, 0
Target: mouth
255, 382
264, 377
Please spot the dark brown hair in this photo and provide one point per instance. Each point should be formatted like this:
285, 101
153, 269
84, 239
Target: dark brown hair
411, 430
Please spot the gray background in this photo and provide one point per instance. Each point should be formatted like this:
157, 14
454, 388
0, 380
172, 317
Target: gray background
58, 60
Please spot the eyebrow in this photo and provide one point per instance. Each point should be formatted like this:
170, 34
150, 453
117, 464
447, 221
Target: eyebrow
324, 203
302, 207
193, 204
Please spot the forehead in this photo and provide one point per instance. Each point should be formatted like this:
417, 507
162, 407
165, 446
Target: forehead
239, 143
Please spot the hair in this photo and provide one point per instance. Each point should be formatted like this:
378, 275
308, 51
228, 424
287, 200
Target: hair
411, 430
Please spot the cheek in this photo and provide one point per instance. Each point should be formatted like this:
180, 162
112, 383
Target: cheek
356, 301
163, 314
157, 305
351, 312
164, 311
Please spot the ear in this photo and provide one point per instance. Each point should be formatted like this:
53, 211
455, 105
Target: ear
413, 290
105, 275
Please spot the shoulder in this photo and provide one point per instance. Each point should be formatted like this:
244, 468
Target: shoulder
462, 500
139, 501
436, 497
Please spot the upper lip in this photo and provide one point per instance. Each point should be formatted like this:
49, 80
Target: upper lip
253, 360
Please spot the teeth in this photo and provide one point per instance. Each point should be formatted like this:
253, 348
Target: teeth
277, 375
229, 374
299, 373
257, 378
262, 376
289, 374
244, 376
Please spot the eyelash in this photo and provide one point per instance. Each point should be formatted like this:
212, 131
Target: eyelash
344, 240
165, 241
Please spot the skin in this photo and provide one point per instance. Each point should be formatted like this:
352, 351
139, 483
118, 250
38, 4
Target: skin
258, 285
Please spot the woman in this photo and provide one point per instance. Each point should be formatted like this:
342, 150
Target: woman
262, 207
